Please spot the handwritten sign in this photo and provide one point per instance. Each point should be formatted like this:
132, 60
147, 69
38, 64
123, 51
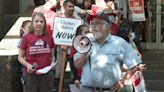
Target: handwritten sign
64, 30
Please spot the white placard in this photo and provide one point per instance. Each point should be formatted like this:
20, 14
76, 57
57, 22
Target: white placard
138, 82
64, 30
44, 70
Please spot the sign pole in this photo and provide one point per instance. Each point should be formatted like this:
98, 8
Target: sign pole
62, 70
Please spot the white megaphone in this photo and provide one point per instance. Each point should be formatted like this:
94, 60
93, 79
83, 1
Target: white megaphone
82, 43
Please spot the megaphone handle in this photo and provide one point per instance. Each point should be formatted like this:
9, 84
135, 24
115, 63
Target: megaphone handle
34, 65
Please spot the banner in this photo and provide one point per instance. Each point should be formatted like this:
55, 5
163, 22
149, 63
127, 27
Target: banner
138, 82
136, 8
64, 30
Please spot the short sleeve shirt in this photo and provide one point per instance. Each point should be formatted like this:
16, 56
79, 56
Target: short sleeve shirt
37, 49
103, 69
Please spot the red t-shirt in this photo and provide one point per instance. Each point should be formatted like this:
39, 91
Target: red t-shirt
79, 72
114, 29
38, 49
73, 51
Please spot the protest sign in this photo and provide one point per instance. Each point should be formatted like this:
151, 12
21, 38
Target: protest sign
136, 8
64, 30
138, 82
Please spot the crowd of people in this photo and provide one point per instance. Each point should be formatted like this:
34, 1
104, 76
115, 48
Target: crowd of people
114, 57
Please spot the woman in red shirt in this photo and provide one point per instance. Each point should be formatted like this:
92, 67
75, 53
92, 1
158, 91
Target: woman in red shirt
37, 52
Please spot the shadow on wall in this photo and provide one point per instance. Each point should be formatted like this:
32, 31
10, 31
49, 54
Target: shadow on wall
7, 23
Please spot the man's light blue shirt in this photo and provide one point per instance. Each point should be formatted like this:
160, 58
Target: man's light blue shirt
106, 60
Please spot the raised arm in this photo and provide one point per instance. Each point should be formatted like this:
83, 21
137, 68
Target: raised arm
80, 61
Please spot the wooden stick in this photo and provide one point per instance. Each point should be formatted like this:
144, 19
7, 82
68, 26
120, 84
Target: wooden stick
62, 70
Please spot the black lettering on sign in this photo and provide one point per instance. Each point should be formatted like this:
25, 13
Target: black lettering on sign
68, 23
67, 27
65, 35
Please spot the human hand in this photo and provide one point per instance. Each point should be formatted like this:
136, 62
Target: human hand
63, 47
117, 87
142, 67
77, 83
30, 68
53, 65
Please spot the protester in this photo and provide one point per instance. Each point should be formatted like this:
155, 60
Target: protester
87, 4
67, 11
84, 9
126, 32
25, 28
114, 23
114, 17
81, 30
103, 64
111, 4
37, 52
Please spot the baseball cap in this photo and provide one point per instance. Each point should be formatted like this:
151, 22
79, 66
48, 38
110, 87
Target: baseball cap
99, 15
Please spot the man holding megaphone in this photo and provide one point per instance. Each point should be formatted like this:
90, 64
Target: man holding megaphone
101, 57
83, 43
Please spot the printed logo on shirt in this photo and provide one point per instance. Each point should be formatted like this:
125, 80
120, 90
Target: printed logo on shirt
39, 47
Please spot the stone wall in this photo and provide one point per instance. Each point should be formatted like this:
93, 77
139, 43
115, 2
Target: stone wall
10, 75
